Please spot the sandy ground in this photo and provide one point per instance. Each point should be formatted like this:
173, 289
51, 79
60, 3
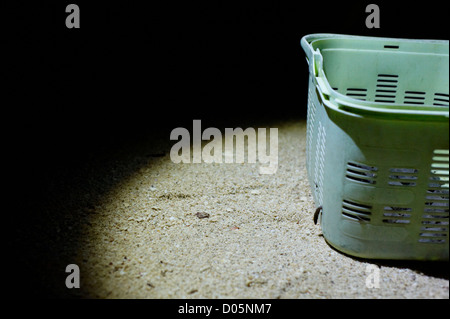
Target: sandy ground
142, 236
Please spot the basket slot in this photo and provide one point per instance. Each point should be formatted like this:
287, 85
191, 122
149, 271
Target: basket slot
437, 197
397, 183
388, 46
436, 212
361, 173
414, 97
356, 173
433, 241
356, 218
439, 176
357, 206
396, 221
388, 75
386, 83
434, 235
438, 194
404, 170
397, 215
414, 93
397, 209
438, 191
434, 203
364, 167
356, 90
443, 180
404, 176
432, 228
385, 96
438, 185
440, 173
356, 211
357, 93
435, 222
359, 179
441, 99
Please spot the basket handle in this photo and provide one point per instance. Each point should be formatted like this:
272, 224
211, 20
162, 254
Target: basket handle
315, 59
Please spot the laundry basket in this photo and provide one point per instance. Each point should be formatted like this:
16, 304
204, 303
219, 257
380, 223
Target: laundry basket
378, 144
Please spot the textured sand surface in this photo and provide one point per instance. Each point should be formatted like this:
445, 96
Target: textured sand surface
254, 236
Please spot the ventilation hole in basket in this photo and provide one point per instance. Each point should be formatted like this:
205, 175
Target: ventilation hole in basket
432, 237
434, 222
433, 228
388, 75
414, 97
365, 174
356, 90
432, 241
404, 170
407, 177
403, 177
310, 127
437, 197
440, 204
361, 173
363, 166
414, 93
387, 80
398, 209
356, 218
396, 221
320, 161
436, 210
386, 91
436, 213
385, 96
415, 103
439, 174
396, 183
387, 85
384, 101
397, 215
389, 46
441, 99
362, 206
356, 211
438, 191
357, 93
386, 88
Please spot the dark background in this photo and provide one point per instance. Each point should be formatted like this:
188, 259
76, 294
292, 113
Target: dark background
131, 68
134, 70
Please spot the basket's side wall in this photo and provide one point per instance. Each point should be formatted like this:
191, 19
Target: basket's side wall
311, 138
376, 209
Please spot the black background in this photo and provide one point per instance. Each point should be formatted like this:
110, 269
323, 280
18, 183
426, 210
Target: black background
135, 69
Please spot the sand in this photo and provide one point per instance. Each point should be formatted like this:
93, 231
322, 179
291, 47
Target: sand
142, 226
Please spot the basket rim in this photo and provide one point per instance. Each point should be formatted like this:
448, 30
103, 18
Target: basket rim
337, 100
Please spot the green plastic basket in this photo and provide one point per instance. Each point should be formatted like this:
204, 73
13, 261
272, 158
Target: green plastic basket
378, 144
